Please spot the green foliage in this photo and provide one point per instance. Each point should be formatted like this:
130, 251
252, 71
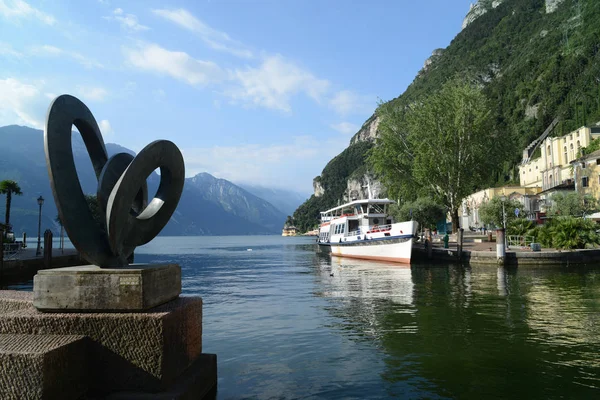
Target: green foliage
438, 145
573, 204
333, 180
423, 210
593, 146
521, 227
492, 212
8, 188
525, 57
568, 233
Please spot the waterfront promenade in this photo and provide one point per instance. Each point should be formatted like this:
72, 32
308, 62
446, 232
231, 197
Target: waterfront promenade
24, 264
477, 250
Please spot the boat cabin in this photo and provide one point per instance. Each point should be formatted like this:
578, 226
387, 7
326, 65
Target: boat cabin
355, 219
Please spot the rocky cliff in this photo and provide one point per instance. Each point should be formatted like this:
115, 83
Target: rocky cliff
534, 59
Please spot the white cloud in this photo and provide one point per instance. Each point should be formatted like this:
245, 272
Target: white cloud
177, 64
106, 129
345, 127
53, 51
21, 103
272, 84
347, 102
92, 93
292, 165
128, 22
17, 9
7, 50
215, 39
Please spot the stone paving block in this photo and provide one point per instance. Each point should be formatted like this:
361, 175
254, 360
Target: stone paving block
130, 351
43, 366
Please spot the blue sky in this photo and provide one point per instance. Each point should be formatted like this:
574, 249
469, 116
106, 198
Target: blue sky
254, 91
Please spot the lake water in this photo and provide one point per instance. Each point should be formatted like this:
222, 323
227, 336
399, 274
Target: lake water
287, 322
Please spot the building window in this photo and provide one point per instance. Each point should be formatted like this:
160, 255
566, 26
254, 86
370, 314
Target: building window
578, 145
584, 181
572, 154
549, 153
577, 133
550, 182
566, 158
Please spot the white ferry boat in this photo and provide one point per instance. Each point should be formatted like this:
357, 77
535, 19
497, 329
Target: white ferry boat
363, 229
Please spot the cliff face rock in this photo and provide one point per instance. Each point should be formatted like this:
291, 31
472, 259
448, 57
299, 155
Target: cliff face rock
478, 9
317, 187
367, 132
552, 5
358, 188
434, 56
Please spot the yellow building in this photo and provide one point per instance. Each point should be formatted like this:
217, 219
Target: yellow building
587, 174
553, 167
527, 196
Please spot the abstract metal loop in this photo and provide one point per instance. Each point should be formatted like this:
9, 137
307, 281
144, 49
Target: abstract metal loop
128, 219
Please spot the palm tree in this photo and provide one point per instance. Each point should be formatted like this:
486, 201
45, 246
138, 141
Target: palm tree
9, 188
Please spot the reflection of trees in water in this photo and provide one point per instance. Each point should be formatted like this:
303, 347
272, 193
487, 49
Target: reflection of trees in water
473, 332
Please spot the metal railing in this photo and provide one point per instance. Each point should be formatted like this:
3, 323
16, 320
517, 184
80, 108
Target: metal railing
525, 241
12, 250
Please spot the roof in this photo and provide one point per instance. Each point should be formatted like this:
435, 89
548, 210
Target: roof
363, 201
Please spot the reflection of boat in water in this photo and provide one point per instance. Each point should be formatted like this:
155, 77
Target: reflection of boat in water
354, 278
363, 229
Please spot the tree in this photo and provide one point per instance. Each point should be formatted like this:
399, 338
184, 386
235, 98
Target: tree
492, 213
423, 210
9, 188
573, 204
441, 145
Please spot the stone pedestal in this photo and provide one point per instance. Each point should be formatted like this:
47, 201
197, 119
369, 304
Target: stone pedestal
43, 366
149, 352
137, 287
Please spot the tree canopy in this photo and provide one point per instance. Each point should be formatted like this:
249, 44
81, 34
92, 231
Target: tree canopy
439, 146
573, 204
492, 212
9, 187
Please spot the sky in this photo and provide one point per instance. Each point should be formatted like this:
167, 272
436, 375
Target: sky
263, 92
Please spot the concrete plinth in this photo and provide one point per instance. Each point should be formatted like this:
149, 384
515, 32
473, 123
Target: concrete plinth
43, 367
143, 352
137, 287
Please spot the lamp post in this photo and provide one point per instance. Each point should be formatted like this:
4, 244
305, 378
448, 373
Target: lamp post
40, 202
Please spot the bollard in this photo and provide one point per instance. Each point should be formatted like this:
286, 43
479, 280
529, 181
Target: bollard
429, 241
500, 250
48, 249
24, 240
459, 242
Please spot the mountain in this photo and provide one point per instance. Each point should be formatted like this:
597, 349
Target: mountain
208, 206
535, 60
285, 201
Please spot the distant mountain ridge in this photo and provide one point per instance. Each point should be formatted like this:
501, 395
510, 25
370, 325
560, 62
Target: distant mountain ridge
208, 206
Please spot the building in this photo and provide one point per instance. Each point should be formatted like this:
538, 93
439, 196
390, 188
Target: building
527, 196
289, 231
553, 167
587, 174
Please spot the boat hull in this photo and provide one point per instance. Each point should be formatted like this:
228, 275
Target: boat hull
395, 249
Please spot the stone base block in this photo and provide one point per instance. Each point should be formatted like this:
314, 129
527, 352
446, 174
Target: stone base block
143, 351
43, 366
137, 287
199, 381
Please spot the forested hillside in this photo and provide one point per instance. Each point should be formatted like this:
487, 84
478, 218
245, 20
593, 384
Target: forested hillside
533, 62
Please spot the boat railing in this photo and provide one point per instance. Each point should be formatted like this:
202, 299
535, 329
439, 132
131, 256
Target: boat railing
379, 228
352, 233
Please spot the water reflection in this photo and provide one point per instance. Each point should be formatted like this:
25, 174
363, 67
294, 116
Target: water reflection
462, 332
